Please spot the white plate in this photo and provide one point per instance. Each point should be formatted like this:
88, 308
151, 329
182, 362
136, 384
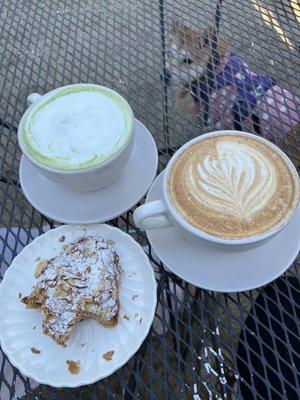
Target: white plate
60, 204
17, 333
221, 270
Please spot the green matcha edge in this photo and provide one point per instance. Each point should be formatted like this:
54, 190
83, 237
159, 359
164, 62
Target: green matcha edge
29, 116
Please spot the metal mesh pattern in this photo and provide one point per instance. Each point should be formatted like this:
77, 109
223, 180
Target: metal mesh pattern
202, 345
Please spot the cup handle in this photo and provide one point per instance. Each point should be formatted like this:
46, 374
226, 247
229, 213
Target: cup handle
32, 98
153, 215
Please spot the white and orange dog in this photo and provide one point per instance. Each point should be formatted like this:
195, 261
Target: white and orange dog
219, 88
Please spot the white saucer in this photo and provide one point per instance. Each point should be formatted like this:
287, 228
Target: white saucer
220, 270
21, 333
60, 204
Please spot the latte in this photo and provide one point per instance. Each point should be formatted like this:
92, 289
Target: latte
77, 127
233, 186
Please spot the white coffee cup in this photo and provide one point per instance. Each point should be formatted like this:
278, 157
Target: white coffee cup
162, 214
86, 179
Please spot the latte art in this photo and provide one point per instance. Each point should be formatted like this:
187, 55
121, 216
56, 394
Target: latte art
233, 186
240, 182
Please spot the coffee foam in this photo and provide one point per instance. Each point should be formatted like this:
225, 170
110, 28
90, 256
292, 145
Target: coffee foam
77, 130
233, 186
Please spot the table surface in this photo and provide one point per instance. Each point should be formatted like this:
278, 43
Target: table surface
203, 345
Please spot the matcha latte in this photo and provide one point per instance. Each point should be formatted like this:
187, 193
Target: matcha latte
76, 127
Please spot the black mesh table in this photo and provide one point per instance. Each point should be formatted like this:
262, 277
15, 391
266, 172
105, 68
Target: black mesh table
203, 345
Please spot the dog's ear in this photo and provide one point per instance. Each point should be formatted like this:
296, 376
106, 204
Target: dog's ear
207, 36
197, 38
176, 23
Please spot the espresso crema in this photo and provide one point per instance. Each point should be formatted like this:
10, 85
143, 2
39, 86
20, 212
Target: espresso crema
233, 186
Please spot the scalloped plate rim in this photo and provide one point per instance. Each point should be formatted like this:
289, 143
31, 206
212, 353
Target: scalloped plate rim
147, 326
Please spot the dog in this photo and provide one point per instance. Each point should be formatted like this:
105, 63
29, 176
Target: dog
222, 92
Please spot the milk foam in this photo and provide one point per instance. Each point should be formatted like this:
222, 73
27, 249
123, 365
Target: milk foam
239, 183
77, 130
234, 186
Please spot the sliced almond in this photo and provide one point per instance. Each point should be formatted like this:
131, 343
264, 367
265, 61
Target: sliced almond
73, 366
70, 248
40, 268
35, 351
108, 355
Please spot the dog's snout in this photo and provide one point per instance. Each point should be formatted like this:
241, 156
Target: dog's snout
166, 76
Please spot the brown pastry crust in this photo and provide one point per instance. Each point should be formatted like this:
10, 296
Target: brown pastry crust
82, 281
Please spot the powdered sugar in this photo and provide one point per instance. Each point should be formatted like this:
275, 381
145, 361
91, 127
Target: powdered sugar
83, 280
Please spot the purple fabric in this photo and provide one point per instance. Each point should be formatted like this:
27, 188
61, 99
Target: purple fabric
249, 86
239, 94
